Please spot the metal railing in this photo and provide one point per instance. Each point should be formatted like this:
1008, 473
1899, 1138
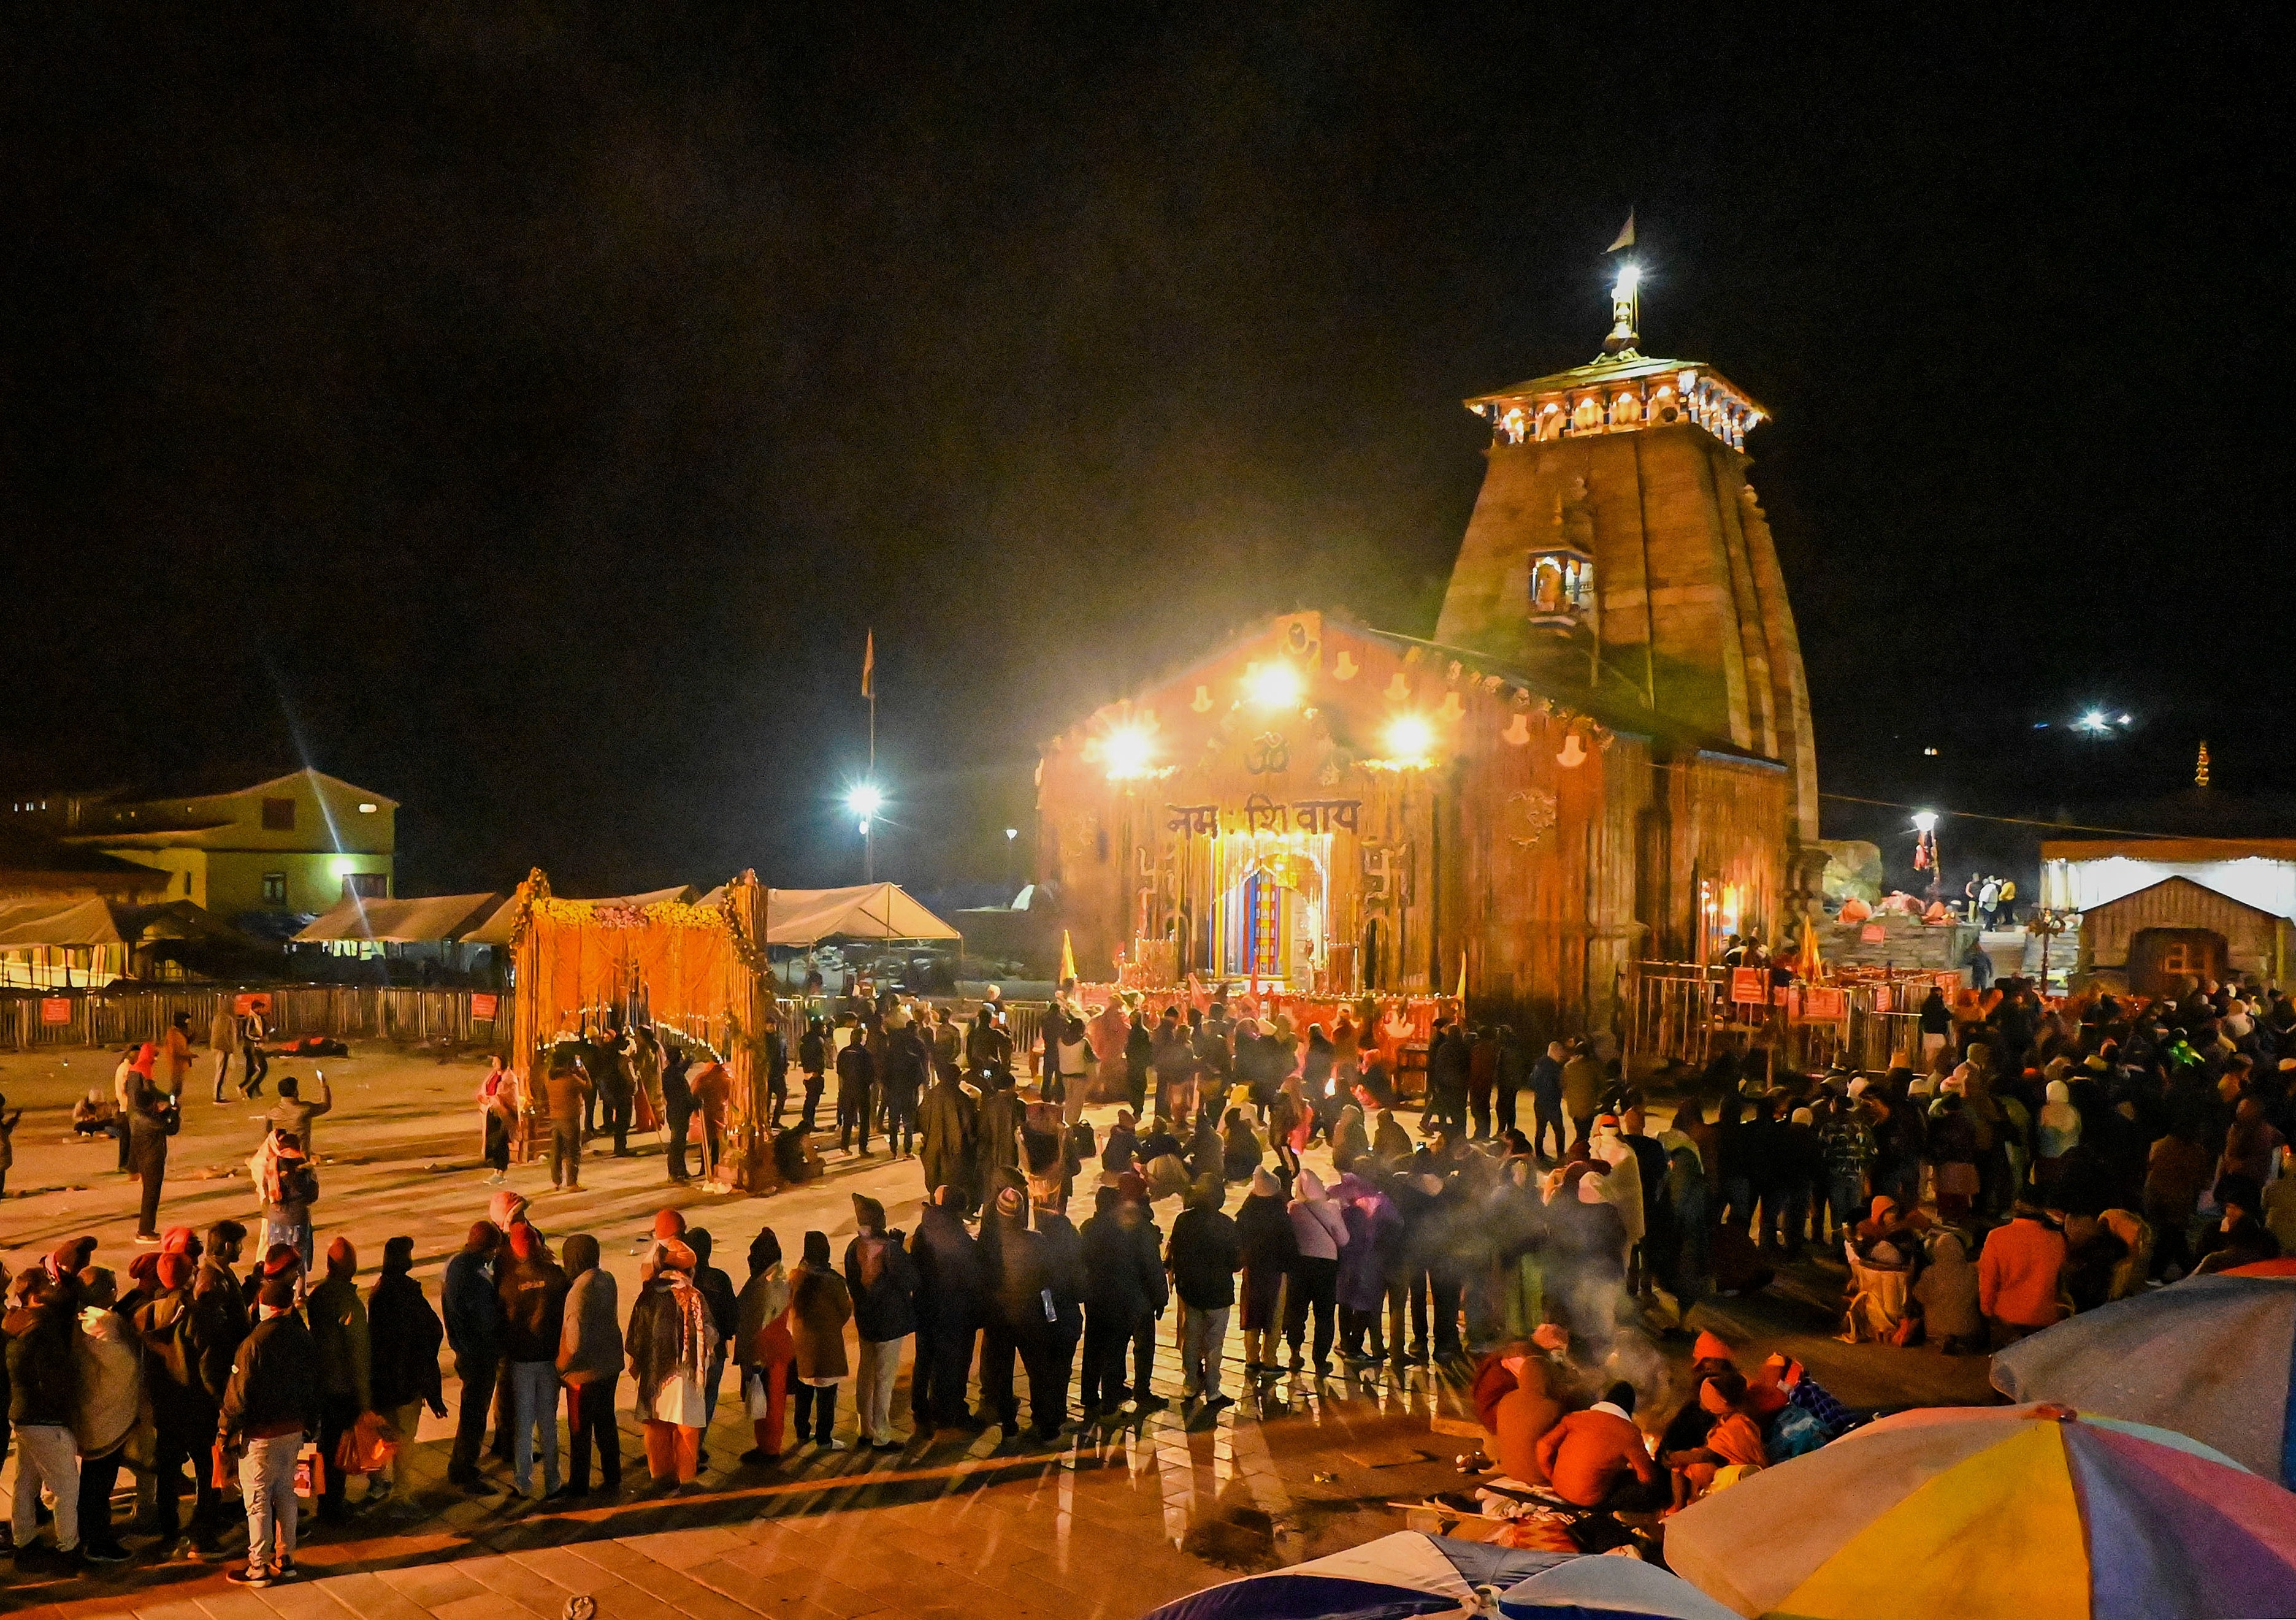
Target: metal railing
1682, 1012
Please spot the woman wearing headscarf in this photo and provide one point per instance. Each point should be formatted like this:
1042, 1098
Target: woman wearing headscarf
671, 1339
404, 1334
2058, 1132
1240, 1149
1270, 1250
590, 1366
762, 1346
820, 1306
1374, 1230
1947, 1289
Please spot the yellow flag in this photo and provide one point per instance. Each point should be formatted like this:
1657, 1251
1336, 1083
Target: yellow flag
1626, 236
869, 666
1462, 975
1068, 958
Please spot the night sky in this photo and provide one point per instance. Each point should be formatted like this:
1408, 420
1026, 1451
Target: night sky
524, 411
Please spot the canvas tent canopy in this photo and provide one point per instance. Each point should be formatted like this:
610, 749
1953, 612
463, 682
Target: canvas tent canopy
63, 921
430, 919
866, 910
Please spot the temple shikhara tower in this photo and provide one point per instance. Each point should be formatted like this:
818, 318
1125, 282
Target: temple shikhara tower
1616, 516
1602, 755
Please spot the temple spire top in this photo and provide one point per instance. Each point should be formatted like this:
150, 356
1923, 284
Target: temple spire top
1626, 312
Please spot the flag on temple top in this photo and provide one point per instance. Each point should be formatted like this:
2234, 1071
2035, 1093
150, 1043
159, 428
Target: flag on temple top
1463, 974
869, 666
1068, 958
1626, 236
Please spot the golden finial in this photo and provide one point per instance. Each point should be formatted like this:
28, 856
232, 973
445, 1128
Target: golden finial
2201, 770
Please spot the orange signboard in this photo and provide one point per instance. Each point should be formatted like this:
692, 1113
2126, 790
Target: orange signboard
1750, 987
55, 1010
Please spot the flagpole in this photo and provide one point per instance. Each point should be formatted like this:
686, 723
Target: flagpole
869, 826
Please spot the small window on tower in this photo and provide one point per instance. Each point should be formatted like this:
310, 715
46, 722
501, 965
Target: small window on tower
278, 815
367, 885
275, 888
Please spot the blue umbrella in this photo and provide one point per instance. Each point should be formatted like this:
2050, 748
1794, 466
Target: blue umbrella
1608, 1588
1408, 1572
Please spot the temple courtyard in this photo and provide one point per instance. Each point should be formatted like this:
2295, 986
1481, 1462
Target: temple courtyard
1111, 1523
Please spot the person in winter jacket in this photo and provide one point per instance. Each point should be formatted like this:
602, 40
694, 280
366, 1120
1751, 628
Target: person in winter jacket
725, 1315
272, 1404
1322, 1231
42, 1401
1022, 1314
532, 1286
948, 1121
184, 1405
1124, 1288
1374, 1228
670, 1340
475, 1331
2018, 1272
1063, 1252
883, 1284
590, 1366
107, 1369
338, 1332
404, 1334
820, 1306
1203, 1258
762, 1346
1271, 1251
949, 1295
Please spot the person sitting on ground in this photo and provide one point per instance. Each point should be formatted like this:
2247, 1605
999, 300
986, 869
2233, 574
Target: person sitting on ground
2238, 1237
1947, 1291
1589, 1455
1524, 1415
1732, 1450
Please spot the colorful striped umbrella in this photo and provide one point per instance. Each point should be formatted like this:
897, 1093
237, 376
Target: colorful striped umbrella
2209, 1357
1410, 1573
1997, 1513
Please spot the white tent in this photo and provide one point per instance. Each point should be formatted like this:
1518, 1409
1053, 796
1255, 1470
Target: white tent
431, 918
63, 920
867, 910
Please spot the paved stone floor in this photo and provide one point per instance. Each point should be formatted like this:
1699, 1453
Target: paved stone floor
1112, 1523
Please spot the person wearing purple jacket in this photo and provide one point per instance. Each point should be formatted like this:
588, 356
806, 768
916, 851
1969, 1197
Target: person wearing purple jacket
1374, 1228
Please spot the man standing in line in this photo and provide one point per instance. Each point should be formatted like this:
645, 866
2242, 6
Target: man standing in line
339, 1333
475, 1330
1204, 1258
272, 1404
884, 1282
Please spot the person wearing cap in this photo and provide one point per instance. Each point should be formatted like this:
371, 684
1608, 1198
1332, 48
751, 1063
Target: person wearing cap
725, 1314
1321, 1232
820, 1306
532, 1288
949, 1298
908, 1064
339, 1334
1271, 1252
287, 1184
42, 1401
271, 1406
151, 1111
883, 1284
182, 1410
404, 1334
590, 1366
948, 1120
1124, 1285
1597, 1458
670, 1340
476, 1329
109, 1375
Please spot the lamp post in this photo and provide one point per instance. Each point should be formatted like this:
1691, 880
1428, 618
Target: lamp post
865, 801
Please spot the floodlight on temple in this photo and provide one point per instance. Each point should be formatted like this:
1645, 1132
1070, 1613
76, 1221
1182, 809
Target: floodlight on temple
1128, 752
1410, 742
1274, 684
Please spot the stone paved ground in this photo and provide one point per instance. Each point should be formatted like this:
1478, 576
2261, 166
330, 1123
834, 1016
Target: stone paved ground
1111, 1523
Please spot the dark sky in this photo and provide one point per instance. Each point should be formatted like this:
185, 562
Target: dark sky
530, 407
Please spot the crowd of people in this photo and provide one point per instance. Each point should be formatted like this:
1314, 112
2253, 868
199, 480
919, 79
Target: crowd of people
2028, 1160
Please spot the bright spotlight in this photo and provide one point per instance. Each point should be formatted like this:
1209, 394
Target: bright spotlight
1630, 276
2095, 722
1410, 739
1275, 684
1128, 752
1925, 821
865, 801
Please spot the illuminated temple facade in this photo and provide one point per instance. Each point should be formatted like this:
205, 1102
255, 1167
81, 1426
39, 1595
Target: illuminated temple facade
1602, 755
